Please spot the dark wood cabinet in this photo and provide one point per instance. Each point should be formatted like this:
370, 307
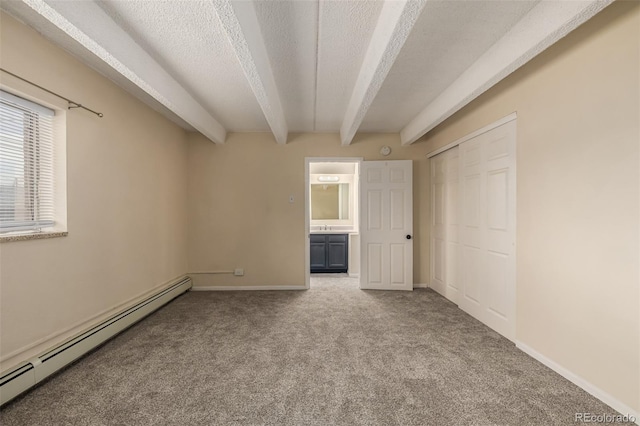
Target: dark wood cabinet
329, 252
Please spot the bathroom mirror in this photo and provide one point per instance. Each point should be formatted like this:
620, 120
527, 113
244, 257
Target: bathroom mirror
330, 201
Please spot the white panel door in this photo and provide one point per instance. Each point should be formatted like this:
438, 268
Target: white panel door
386, 245
445, 224
438, 225
452, 240
487, 229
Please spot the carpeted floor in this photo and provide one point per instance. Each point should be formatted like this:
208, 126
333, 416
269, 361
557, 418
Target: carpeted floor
332, 355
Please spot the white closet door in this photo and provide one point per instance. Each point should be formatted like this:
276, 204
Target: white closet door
445, 224
487, 231
438, 226
453, 226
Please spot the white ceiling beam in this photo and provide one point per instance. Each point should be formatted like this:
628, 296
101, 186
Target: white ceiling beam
545, 24
395, 22
91, 27
240, 21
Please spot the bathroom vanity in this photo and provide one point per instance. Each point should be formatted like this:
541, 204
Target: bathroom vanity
329, 253
333, 217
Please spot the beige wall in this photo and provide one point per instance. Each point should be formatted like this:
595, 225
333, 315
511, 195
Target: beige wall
127, 184
577, 197
239, 210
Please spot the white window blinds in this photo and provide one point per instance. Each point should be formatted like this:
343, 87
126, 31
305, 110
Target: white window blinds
26, 165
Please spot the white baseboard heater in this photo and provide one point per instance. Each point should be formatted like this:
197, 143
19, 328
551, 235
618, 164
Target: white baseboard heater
20, 379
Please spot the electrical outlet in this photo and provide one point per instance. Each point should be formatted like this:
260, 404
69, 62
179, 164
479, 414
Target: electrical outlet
238, 272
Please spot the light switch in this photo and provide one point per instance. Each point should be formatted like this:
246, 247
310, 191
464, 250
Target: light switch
291, 199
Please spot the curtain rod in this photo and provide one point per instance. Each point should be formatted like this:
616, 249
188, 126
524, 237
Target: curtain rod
72, 104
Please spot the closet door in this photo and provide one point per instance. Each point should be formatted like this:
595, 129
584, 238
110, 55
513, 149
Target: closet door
452, 239
445, 224
487, 229
438, 227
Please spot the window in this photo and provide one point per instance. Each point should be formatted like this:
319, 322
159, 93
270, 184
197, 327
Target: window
26, 165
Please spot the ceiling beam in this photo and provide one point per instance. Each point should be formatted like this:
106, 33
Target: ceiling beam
395, 22
545, 24
240, 21
91, 27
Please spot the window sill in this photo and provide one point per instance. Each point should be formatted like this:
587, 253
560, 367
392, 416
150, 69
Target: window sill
35, 236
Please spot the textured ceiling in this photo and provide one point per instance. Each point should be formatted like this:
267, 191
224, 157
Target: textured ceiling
187, 39
305, 66
340, 55
446, 40
290, 31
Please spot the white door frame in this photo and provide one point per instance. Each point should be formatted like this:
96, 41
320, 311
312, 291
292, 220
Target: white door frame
307, 206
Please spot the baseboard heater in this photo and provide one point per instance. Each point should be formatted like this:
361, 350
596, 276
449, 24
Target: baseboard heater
21, 378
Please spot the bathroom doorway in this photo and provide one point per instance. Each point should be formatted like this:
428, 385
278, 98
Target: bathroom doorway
332, 246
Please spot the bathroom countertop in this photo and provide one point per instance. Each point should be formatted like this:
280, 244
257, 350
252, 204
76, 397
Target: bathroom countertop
352, 232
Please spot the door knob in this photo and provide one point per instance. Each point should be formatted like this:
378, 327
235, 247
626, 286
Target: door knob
408, 237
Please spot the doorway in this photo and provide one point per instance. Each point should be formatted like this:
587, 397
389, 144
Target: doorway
364, 228
332, 213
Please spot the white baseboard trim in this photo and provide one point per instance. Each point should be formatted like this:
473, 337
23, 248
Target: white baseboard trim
33, 349
247, 287
17, 380
353, 275
420, 285
580, 382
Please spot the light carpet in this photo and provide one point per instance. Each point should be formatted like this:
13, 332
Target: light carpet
332, 355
